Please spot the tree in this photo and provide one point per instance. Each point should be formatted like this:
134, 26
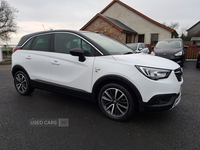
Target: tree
187, 37
173, 25
8, 24
183, 34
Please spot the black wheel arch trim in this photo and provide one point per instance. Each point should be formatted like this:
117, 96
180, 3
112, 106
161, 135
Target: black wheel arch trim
102, 81
109, 79
16, 68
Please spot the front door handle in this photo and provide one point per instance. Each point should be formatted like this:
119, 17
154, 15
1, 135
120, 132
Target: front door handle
97, 69
55, 62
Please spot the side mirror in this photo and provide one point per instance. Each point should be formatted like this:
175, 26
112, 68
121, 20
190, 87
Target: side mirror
137, 51
140, 49
78, 52
152, 47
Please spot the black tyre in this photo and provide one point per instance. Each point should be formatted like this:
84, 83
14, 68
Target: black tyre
182, 61
22, 83
182, 64
116, 102
197, 64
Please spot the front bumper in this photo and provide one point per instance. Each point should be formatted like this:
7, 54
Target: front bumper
198, 58
159, 95
161, 103
177, 59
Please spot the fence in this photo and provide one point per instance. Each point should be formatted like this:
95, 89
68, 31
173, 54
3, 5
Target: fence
6, 52
149, 46
190, 53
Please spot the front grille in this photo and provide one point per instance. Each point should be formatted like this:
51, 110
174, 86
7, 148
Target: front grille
178, 72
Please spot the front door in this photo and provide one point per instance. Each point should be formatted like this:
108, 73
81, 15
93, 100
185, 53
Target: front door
66, 70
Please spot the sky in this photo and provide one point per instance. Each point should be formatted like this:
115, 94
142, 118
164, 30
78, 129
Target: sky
40, 15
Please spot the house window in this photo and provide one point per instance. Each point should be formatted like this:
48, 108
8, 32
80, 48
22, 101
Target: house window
141, 38
154, 38
128, 38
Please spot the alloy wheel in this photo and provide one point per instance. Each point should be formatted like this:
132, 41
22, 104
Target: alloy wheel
21, 83
115, 102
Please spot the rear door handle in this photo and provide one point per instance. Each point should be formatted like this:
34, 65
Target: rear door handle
55, 62
28, 57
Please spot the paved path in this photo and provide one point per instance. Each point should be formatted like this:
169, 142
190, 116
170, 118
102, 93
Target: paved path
5, 67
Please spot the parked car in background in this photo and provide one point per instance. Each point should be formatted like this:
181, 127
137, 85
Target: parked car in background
97, 67
172, 49
138, 47
198, 60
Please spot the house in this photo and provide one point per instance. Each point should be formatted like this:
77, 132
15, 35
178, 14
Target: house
195, 40
194, 30
127, 25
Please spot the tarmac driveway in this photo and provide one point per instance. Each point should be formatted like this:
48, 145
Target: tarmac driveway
87, 128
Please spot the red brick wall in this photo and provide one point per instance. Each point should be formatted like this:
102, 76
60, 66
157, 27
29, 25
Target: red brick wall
102, 27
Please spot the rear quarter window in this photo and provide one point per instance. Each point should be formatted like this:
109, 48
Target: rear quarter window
28, 44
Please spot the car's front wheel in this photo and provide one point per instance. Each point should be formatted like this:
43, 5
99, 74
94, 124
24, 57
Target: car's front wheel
116, 102
22, 83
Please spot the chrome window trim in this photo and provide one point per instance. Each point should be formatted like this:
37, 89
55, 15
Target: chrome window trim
68, 33
33, 37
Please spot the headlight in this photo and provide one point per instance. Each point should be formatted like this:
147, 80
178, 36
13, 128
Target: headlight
179, 53
154, 73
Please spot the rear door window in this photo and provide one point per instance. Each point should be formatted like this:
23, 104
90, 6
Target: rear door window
140, 46
143, 46
42, 43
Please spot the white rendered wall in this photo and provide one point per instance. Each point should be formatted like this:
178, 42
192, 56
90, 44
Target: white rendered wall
138, 23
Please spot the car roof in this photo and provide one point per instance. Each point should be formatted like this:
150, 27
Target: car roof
26, 37
172, 39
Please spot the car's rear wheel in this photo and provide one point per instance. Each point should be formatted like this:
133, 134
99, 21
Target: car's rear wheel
116, 102
22, 83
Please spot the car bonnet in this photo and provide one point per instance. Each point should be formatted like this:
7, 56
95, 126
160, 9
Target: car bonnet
142, 59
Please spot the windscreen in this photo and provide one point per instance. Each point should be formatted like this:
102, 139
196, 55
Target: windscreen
113, 46
169, 44
133, 46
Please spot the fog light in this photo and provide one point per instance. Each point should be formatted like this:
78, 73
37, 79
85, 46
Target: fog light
163, 100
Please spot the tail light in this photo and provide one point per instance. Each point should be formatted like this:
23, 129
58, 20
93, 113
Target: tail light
15, 49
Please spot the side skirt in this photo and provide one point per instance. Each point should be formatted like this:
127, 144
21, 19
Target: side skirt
60, 89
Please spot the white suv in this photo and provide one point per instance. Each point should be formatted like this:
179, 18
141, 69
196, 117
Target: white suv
95, 66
